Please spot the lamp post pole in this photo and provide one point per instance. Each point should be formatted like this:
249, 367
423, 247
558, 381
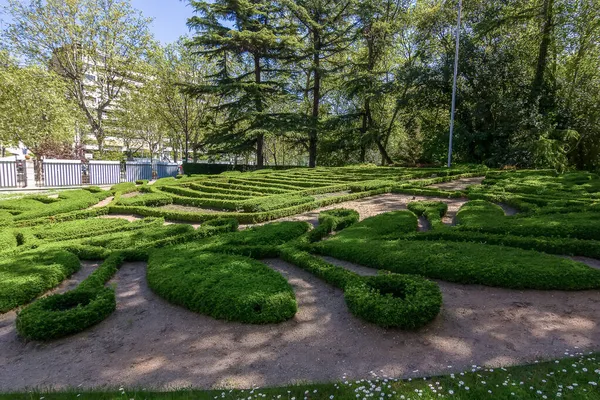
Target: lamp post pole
454, 85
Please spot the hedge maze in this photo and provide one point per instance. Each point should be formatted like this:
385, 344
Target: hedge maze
216, 270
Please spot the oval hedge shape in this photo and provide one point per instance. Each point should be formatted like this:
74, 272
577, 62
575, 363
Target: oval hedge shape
233, 288
60, 315
393, 300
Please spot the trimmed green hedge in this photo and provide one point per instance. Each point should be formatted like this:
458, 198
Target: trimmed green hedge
388, 300
389, 225
467, 263
482, 216
222, 286
392, 300
27, 275
61, 315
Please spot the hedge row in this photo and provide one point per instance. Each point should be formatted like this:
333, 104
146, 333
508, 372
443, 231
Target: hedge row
243, 218
68, 313
222, 286
558, 246
482, 216
333, 220
25, 276
71, 200
185, 192
467, 263
242, 185
433, 211
224, 190
79, 229
389, 300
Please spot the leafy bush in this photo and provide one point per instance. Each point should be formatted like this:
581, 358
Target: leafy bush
222, 286
65, 314
392, 300
416, 303
25, 276
468, 263
482, 216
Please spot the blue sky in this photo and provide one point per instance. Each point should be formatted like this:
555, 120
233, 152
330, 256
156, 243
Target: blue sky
169, 16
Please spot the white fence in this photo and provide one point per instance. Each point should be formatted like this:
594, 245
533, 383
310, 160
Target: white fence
8, 174
104, 172
64, 173
61, 172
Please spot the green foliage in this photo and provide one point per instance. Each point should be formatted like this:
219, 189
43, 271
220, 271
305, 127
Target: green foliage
223, 286
489, 218
148, 200
467, 263
61, 315
388, 300
27, 275
389, 225
392, 300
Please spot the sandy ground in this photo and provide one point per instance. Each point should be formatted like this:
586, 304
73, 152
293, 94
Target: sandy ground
151, 343
458, 184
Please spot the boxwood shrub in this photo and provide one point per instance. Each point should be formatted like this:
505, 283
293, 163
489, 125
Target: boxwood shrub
388, 300
27, 275
468, 263
60, 315
393, 300
222, 286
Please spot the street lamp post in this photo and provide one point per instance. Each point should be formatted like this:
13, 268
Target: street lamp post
454, 85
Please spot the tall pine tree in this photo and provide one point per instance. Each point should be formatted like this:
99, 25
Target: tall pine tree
248, 39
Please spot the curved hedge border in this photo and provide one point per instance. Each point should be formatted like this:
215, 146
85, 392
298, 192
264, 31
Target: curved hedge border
233, 288
387, 300
392, 300
60, 315
367, 297
332, 220
63, 314
91, 302
25, 276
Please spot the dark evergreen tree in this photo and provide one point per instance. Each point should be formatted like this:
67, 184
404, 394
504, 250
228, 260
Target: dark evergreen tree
248, 39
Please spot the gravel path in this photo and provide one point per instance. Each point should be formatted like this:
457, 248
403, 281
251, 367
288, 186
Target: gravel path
150, 343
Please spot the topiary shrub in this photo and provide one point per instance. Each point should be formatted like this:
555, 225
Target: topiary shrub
333, 220
392, 300
25, 276
60, 315
222, 286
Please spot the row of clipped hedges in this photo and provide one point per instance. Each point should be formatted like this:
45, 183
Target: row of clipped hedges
91, 302
28, 274
466, 262
212, 169
387, 300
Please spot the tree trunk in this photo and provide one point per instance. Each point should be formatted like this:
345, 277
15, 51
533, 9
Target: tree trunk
538, 81
363, 133
260, 140
313, 133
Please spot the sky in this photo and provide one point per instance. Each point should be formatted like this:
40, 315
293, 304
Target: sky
169, 17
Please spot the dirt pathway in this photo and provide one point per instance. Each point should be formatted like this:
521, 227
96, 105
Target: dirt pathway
150, 343
458, 184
